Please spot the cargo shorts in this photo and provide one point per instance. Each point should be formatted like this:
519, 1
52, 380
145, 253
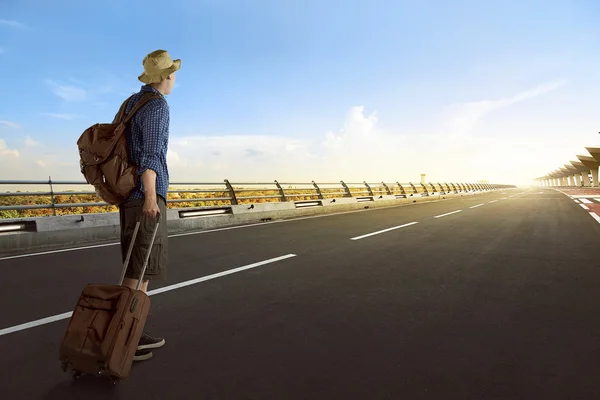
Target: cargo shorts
129, 213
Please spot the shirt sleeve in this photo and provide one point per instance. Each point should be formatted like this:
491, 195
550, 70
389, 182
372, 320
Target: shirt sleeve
155, 127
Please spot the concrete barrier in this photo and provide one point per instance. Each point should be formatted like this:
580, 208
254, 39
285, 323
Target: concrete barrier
74, 230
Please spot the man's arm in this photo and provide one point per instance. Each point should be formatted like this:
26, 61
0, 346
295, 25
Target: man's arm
149, 182
155, 120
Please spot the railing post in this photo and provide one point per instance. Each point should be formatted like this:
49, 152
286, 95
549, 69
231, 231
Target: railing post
401, 188
368, 188
348, 192
281, 190
52, 196
231, 192
318, 190
442, 190
415, 191
433, 187
387, 189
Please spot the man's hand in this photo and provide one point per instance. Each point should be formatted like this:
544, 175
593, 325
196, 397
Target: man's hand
150, 209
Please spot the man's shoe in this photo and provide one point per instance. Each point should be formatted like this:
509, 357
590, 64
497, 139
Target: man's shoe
141, 355
149, 342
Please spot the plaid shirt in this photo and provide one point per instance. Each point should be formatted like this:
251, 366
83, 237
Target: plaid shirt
148, 141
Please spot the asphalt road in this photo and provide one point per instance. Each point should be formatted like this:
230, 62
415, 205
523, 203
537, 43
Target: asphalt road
498, 301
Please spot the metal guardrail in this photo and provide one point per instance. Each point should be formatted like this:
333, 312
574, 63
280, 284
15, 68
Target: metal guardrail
234, 194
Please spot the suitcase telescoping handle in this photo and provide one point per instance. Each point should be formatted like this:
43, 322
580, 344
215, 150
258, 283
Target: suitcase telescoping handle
131, 244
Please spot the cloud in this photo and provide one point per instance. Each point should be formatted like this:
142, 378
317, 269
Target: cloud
363, 150
236, 156
58, 167
61, 116
464, 117
12, 24
7, 153
10, 124
31, 143
37, 161
360, 149
68, 92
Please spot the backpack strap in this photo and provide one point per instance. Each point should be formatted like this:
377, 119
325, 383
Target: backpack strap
121, 113
146, 97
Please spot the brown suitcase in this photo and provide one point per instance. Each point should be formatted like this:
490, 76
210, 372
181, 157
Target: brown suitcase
106, 326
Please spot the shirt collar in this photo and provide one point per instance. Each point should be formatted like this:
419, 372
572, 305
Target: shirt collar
148, 88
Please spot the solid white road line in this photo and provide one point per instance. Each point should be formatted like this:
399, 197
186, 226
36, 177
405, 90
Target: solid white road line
59, 251
450, 213
210, 230
584, 206
478, 205
383, 231
67, 315
205, 231
493, 201
189, 233
182, 234
586, 201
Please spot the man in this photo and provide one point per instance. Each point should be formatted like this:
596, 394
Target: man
147, 142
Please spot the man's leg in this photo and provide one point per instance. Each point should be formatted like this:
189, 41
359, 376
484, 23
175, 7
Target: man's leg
156, 269
132, 283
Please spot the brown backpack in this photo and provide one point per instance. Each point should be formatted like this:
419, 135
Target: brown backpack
103, 156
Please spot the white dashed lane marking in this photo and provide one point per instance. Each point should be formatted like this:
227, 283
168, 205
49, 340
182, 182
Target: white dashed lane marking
450, 213
383, 231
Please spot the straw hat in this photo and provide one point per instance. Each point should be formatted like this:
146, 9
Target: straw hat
158, 65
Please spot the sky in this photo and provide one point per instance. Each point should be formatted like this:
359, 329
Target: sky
463, 90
